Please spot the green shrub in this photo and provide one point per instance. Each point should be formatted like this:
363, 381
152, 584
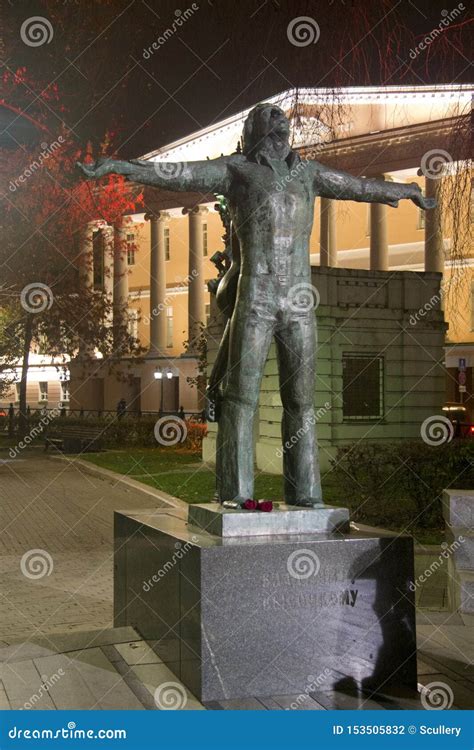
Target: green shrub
400, 484
131, 431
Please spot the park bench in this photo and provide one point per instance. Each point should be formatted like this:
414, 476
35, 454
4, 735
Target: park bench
74, 439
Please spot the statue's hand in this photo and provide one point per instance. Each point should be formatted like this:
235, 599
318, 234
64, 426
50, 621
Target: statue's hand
419, 199
105, 166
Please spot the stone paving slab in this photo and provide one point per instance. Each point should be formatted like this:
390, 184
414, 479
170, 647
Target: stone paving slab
63, 619
67, 514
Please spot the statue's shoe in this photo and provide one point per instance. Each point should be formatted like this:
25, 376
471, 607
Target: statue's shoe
234, 504
308, 502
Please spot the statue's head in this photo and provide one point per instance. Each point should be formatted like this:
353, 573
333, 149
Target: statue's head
264, 121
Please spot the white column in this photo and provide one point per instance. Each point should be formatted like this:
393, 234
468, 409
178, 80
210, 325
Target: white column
86, 257
434, 248
327, 239
158, 223
108, 260
378, 236
196, 300
120, 277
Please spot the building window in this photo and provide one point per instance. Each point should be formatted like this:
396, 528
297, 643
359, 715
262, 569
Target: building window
166, 240
130, 249
362, 387
64, 390
132, 325
98, 258
43, 390
204, 239
169, 327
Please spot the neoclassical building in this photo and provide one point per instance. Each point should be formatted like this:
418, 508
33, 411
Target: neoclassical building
401, 133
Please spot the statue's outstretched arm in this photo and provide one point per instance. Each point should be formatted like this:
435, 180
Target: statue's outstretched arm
331, 183
194, 176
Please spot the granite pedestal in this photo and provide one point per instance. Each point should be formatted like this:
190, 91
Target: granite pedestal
239, 616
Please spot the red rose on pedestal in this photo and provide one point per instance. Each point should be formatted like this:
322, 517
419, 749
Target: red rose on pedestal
249, 504
266, 506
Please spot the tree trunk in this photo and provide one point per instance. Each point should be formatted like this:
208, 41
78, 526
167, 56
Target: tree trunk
27, 338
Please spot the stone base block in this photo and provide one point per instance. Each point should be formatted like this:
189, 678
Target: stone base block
284, 519
268, 615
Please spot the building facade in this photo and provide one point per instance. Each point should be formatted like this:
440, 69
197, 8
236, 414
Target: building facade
162, 278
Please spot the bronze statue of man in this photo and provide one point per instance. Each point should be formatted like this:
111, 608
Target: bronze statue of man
270, 192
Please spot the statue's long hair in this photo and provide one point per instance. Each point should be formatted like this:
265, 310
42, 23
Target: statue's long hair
251, 138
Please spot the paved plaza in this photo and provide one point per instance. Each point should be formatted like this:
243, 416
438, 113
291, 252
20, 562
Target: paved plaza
58, 647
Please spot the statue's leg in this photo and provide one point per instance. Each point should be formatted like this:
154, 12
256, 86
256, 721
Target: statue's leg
250, 337
296, 341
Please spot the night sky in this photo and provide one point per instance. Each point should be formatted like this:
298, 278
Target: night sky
224, 56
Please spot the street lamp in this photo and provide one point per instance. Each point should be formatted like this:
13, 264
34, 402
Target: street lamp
158, 375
